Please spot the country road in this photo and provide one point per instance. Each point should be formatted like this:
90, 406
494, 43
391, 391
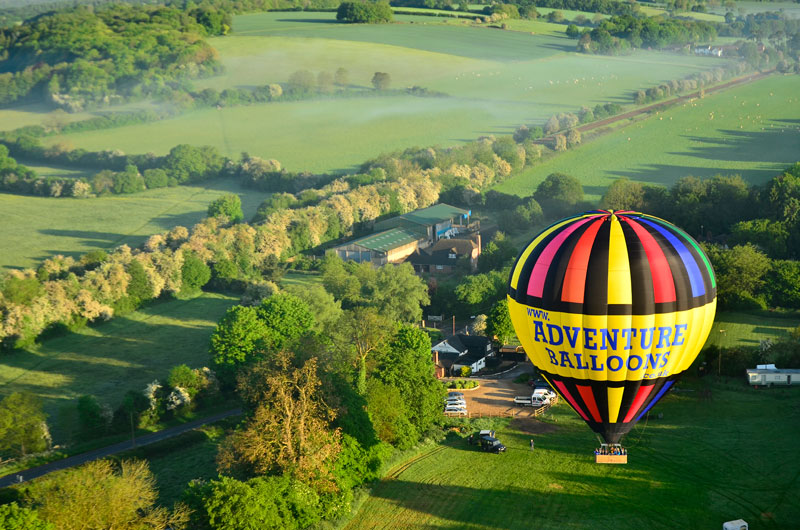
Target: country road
76, 460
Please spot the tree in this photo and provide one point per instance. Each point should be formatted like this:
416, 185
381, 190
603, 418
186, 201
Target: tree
194, 273
261, 503
229, 205
740, 275
325, 81
399, 293
381, 80
558, 194
22, 425
364, 12
341, 77
285, 317
15, 517
237, 337
572, 31
325, 308
289, 431
362, 331
301, 82
389, 415
92, 419
407, 365
573, 138
99, 495
552, 125
559, 142
623, 194
498, 323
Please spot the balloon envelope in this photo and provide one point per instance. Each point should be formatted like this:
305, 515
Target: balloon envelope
612, 306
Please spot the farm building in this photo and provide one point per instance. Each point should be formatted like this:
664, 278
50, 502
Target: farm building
397, 238
435, 222
768, 375
441, 258
451, 354
390, 246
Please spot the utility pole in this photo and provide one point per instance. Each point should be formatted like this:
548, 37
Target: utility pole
454, 324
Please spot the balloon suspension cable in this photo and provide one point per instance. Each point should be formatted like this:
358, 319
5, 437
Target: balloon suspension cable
641, 432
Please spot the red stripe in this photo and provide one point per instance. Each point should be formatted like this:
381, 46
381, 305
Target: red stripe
663, 284
566, 394
575, 278
641, 395
588, 398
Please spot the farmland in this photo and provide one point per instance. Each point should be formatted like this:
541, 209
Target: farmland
109, 359
693, 467
35, 228
495, 80
751, 130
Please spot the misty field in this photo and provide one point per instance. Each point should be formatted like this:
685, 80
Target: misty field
495, 81
35, 228
111, 358
700, 464
751, 130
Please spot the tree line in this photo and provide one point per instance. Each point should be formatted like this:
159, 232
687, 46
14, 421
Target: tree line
83, 57
333, 380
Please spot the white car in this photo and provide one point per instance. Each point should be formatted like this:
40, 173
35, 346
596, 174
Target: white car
456, 410
455, 395
455, 403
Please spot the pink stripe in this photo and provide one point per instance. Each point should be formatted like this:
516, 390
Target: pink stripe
566, 394
536, 283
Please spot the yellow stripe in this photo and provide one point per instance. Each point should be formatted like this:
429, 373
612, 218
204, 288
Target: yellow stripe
619, 272
524, 257
614, 402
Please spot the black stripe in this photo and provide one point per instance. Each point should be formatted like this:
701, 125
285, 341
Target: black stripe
595, 294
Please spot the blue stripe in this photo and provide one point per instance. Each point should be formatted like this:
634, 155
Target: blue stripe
695, 276
655, 400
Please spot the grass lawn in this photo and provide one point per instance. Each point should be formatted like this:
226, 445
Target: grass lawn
704, 462
752, 130
496, 80
35, 228
749, 329
107, 360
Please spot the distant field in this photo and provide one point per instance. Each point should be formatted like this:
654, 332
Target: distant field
35, 228
704, 462
746, 329
107, 360
496, 81
752, 130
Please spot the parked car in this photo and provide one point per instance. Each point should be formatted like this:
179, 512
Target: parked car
477, 437
455, 394
492, 445
456, 402
539, 383
455, 410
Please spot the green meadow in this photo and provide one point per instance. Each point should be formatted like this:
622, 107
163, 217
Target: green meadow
495, 81
108, 359
698, 460
751, 130
35, 228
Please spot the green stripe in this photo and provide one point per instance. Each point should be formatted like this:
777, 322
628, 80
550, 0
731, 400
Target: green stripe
691, 240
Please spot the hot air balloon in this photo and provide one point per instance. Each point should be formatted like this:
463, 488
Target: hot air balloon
612, 307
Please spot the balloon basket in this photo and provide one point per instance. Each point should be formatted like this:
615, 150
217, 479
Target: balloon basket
610, 454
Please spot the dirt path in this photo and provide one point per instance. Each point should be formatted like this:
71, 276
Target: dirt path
496, 396
76, 460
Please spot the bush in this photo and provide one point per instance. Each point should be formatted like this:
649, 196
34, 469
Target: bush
462, 384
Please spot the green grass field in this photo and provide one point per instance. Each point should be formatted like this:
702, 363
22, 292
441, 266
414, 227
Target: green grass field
704, 462
109, 359
733, 329
752, 130
35, 228
495, 79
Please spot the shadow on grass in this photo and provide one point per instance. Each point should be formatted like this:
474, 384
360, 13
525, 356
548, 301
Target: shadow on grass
329, 21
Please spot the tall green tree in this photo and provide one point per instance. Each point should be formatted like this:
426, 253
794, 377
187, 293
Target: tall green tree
498, 322
237, 337
229, 205
23, 427
559, 194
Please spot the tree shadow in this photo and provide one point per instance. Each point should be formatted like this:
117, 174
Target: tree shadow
87, 237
